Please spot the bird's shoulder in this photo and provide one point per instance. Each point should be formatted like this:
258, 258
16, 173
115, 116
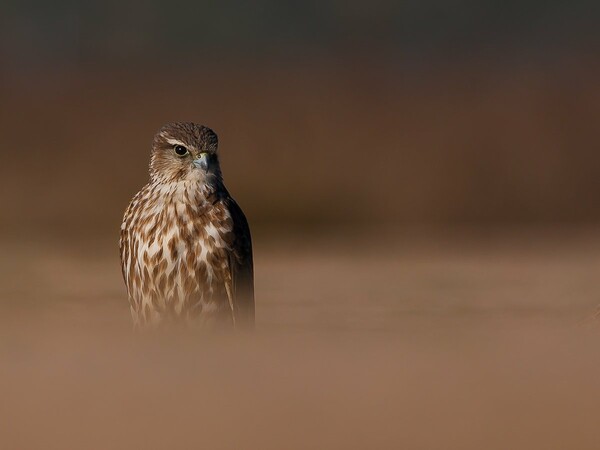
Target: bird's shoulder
238, 236
138, 201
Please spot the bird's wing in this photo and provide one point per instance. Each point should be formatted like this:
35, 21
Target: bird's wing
127, 259
241, 291
124, 249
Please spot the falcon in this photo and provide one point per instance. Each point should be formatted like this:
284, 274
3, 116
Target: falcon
186, 250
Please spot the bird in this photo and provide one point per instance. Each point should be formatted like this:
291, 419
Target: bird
185, 244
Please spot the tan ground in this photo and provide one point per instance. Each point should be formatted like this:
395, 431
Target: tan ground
408, 342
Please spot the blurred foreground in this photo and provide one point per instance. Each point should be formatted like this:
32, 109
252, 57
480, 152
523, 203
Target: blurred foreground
423, 342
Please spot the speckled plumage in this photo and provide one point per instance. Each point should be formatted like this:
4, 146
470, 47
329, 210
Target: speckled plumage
186, 250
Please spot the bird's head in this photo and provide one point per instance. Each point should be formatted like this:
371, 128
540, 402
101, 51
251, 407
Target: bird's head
185, 151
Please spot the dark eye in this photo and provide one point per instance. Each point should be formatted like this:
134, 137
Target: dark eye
181, 150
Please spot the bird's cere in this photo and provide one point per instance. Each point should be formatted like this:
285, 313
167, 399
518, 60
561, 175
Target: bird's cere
202, 161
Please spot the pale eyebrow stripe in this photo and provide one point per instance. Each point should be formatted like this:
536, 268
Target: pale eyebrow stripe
175, 142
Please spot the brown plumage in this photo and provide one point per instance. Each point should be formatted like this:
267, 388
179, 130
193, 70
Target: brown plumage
186, 251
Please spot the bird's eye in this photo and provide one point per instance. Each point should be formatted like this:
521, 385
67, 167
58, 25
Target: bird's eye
181, 150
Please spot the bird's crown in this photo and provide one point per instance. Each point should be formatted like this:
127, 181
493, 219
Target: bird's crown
188, 134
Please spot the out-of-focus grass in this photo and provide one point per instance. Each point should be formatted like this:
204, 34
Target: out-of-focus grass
386, 343
343, 281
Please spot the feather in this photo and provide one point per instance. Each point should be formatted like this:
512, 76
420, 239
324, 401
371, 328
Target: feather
185, 246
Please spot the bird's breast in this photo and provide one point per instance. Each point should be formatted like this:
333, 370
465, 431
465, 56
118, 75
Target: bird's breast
180, 254
185, 237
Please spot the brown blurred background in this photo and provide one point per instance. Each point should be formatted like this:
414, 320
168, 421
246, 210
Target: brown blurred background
420, 178
329, 113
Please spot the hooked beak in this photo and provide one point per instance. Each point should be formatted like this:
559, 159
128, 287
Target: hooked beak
202, 161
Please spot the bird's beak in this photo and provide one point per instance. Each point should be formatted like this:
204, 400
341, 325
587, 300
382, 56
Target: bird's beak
202, 161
